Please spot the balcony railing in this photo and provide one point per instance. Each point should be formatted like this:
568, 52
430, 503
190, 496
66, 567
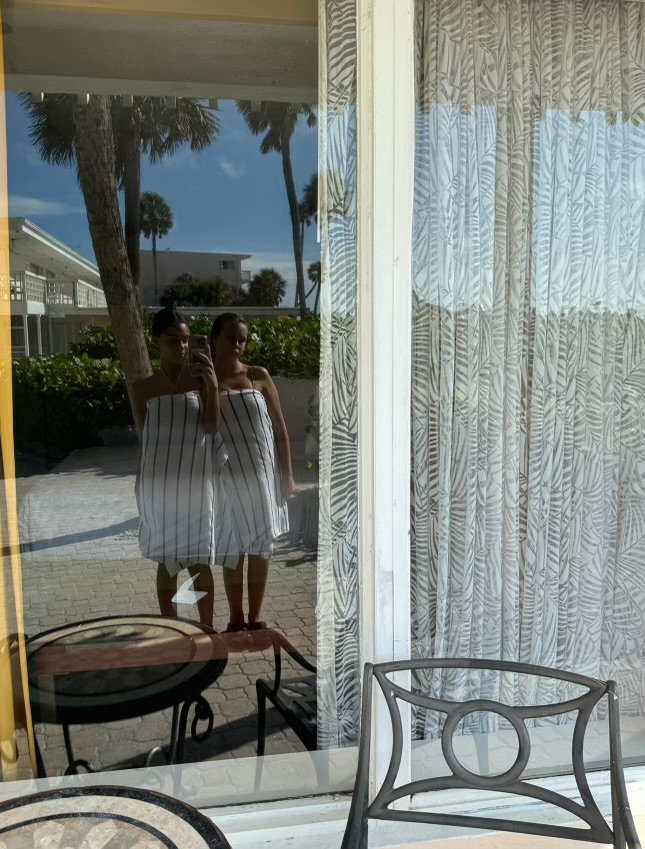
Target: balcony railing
56, 292
27, 287
245, 276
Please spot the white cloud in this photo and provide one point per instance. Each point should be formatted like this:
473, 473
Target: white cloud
24, 207
28, 153
183, 159
230, 168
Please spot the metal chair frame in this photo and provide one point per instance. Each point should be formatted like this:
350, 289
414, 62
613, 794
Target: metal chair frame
598, 829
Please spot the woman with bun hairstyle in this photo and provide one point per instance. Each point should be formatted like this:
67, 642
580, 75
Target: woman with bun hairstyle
182, 521
257, 477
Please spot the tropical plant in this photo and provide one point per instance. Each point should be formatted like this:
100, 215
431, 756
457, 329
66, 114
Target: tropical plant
149, 126
278, 122
267, 288
286, 346
211, 292
308, 209
314, 274
156, 221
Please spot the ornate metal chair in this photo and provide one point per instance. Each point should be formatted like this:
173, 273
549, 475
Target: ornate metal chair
620, 833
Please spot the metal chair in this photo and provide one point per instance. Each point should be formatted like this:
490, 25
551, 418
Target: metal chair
294, 698
620, 834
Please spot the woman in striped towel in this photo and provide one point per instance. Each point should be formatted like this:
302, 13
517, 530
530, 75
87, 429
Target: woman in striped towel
257, 476
183, 520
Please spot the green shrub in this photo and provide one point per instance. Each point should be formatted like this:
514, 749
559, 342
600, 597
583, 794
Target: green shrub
65, 401
210, 292
287, 347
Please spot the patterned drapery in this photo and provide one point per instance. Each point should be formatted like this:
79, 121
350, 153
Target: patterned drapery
528, 344
337, 610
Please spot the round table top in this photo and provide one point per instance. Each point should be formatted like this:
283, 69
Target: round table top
118, 667
95, 817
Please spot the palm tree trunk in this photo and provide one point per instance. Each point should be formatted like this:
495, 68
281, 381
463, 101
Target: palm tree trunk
132, 197
154, 265
292, 197
96, 174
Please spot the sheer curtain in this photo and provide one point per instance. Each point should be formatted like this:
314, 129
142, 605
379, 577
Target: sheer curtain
528, 339
337, 609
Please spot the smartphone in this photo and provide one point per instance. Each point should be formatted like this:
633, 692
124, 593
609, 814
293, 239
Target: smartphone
197, 344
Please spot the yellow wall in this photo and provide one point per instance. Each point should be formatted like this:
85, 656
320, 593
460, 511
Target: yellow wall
294, 12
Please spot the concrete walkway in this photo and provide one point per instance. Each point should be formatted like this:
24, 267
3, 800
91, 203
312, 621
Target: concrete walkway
80, 559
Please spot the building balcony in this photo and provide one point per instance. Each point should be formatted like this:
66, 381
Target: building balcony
56, 292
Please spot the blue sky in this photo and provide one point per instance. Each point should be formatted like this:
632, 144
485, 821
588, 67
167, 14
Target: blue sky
227, 198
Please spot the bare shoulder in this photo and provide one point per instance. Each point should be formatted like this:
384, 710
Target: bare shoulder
146, 388
259, 374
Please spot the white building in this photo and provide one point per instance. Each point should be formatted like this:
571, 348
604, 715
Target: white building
172, 264
55, 292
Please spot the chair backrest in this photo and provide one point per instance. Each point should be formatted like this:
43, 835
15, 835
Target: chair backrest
620, 834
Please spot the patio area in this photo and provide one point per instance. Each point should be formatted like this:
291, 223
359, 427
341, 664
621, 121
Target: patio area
80, 560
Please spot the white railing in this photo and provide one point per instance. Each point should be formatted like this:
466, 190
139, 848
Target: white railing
27, 287
61, 292
245, 276
89, 296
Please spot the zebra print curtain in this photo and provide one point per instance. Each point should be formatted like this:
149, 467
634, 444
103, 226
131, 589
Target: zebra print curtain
528, 392
337, 610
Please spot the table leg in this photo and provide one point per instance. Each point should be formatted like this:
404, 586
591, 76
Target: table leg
73, 765
203, 712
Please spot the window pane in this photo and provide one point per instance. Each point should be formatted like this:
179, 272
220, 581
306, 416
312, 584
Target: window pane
165, 197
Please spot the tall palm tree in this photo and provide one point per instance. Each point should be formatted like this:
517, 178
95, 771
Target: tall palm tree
148, 127
267, 288
315, 275
308, 209
95, 159
156, 221
278, 122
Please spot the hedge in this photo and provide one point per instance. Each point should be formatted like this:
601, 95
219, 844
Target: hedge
287, 347
65, 401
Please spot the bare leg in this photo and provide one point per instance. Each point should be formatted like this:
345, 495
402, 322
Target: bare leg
203, 583
257, 584
234, 586
166, 590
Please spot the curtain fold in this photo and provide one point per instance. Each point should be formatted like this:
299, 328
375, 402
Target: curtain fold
528, 338
337, 608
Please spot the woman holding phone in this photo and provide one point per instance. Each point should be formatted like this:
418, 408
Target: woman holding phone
182, 521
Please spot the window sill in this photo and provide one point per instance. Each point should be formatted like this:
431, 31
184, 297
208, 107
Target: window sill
320, 822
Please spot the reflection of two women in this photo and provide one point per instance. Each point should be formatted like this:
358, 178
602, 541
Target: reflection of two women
215, 467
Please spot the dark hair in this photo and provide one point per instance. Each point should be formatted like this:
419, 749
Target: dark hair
165, 319
224, 319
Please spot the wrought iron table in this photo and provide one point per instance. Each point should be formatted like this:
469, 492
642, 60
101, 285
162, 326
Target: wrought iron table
120, 667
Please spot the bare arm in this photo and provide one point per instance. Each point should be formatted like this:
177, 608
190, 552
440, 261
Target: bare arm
209, 391
279, 428
139, 410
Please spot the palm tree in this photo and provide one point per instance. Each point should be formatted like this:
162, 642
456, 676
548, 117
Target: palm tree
267, 288
308, 209
156, 221
314, 274
278, 122
149, 126
95, 159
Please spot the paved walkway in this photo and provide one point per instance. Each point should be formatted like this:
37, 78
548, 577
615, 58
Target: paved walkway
80, 560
